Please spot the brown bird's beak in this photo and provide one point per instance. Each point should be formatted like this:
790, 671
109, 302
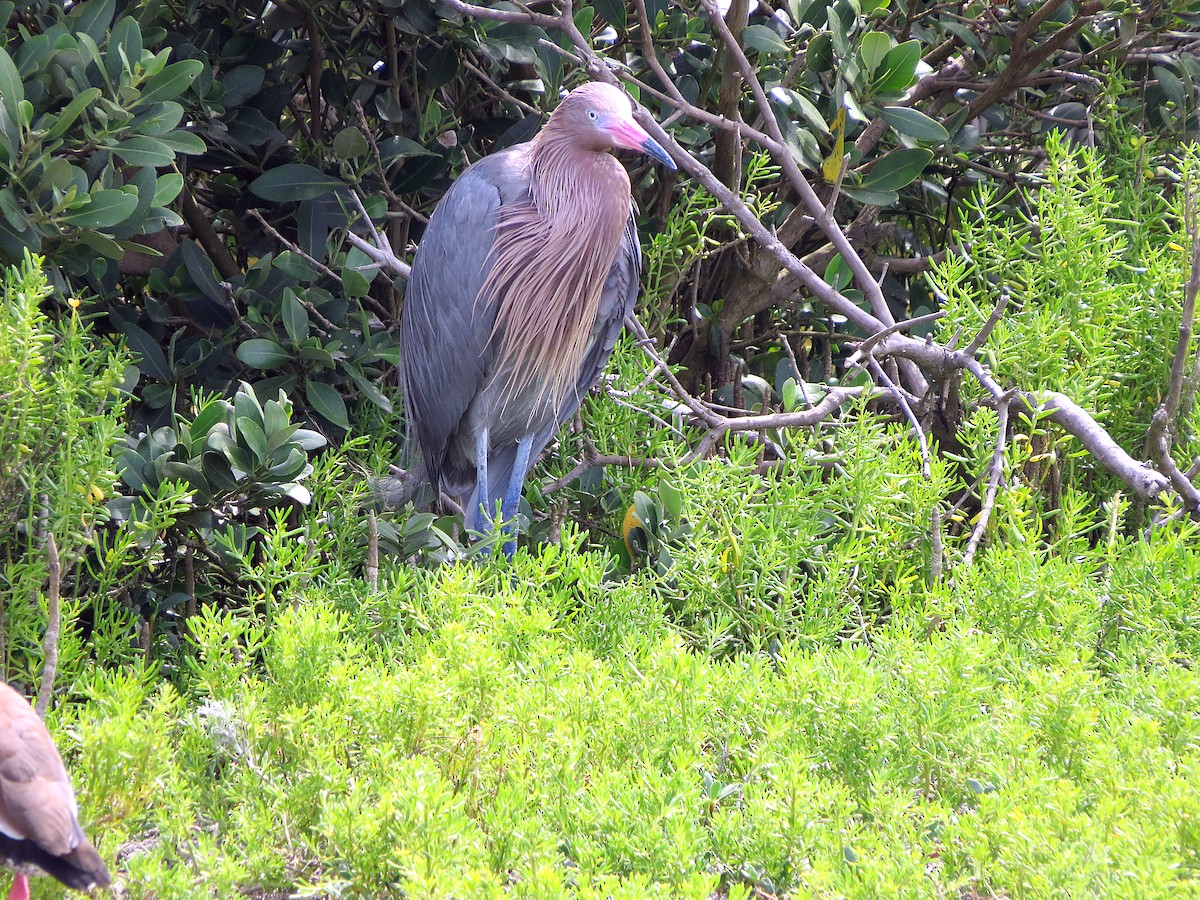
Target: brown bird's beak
630, 135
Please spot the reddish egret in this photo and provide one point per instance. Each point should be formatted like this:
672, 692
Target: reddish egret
39, 826
520, 285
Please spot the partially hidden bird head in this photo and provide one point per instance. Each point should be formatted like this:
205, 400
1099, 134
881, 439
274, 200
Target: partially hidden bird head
600, 117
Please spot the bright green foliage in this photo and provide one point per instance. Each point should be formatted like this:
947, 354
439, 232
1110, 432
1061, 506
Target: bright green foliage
60, 421
1095, 293
528, 731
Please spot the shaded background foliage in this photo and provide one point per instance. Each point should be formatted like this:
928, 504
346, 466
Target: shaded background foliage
190, 171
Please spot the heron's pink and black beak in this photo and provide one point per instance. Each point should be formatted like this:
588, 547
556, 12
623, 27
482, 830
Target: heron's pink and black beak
630, 135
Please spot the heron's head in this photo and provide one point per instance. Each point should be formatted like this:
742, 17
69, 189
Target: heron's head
600, 117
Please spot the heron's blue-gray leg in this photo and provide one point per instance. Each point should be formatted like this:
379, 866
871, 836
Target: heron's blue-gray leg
512, 496
481, 478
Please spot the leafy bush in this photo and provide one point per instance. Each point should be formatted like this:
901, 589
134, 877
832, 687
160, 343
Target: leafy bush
60, 422
88, 116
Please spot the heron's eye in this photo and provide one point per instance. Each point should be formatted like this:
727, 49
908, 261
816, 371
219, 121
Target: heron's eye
593, 115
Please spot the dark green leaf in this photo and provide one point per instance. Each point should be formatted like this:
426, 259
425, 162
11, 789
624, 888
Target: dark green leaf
158, 119
613, 12
1171, 84
261, 353
368, 389
765, 40
441, 68
914, 124
201, 270
873, 50
294, 181
294, 266
899, 68
188, 474
93, 18
210, 414
152, 362
102, 244
104, 209
144, 151
350, 143
327, 402
184, 142
170, 82
820, 54
216, 469
11, 209
295, 316
897, 169
68, 114
12, 90
241, 83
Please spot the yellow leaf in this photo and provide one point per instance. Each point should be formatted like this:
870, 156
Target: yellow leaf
832, 167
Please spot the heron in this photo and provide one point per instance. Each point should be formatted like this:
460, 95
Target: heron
39, 819
519, 288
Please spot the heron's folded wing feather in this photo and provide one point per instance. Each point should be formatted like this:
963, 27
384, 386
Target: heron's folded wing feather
444, 336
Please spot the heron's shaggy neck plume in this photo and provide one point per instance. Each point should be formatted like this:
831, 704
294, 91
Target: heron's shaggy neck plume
551, 258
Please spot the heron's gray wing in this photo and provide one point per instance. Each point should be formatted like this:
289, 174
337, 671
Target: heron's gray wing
616, 302
443, 335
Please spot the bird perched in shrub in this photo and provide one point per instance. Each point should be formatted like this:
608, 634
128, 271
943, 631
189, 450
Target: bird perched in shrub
519, 287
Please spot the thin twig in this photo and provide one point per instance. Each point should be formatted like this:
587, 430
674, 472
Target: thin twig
372, 551
989, 500
53, 627
972, 349
922, 442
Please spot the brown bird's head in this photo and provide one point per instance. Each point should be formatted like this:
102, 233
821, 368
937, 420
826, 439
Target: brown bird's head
599, 117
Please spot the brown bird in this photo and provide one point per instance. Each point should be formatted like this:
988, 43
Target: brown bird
519, 287
39, 824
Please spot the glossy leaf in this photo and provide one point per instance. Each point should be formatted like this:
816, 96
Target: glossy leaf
144, 151
167, 187
873, 50
294, 181
327, 402
295, 316
104, 209
897, 169
764, 40
261, 353
914, 124
184, 142
67, 116
170, 82
12, 90
899, 68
